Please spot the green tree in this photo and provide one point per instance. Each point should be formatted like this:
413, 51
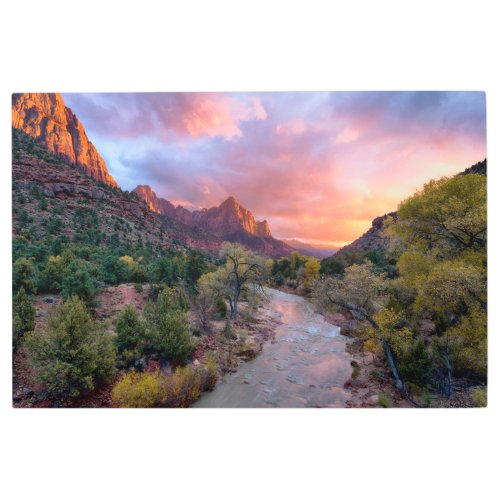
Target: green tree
73, 354
131, 335
78, 282
168, 328
23, 275
23, 318
447, 216
50, 279
242, 269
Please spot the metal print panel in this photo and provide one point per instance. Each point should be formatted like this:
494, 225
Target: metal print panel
252, 250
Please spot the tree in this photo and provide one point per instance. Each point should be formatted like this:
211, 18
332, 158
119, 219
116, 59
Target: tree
364, 293
23, 318
23, 275
78, 282
50, 279
73, 354
168, 328
447, 216
195, 267
131, 338
311, 271
241, 269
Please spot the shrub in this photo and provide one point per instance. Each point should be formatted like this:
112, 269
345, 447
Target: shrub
184, 387
209, 372
23, 275
72, 355
170, 337
220, 308
168, 328
23, 318
78, 282
138, 288
130, 337
385, 400
50, 279
479, 397
416, 364
140, 390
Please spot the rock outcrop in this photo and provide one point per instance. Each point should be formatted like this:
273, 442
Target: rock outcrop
374, 238
46, 118
229, 221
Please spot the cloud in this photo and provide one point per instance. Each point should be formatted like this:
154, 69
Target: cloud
317, 165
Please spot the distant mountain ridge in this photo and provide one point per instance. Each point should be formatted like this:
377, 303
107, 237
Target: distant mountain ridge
319, 251
46, 118
229, 221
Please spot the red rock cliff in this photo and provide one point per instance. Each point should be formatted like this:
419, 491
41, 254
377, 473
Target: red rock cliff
46, 118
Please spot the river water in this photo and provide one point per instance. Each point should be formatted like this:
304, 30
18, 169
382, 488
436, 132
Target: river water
306, 365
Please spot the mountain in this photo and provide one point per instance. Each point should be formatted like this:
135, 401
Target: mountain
319, 251
373, 239
71, 194
478, 168
46, 118
229, 221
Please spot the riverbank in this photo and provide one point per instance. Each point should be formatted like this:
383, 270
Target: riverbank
248, 335
305, 365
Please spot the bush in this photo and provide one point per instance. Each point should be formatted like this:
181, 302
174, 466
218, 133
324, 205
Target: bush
416, 364
220, 308
209, 372
170, 337
140, 390
72, 355
23, 275
168, 328
385, 400
23, 318
138, 288
130, 339
78, 282
479, 396
50, 279
184, 387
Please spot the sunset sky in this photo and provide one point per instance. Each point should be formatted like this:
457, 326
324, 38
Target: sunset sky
319, 166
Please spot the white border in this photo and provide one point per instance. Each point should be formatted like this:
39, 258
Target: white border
231, 45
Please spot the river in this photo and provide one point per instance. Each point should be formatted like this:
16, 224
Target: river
305, 366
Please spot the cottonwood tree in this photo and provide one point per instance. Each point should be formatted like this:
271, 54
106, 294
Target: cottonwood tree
242, 269
442, 271
363, 292
447, 216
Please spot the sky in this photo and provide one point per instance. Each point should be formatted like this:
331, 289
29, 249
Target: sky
318, 166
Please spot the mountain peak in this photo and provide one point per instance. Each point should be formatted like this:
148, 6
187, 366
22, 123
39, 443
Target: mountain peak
146, 193
46, 118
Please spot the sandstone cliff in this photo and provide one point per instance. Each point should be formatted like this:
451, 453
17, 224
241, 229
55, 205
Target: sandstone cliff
229, 221
46, 118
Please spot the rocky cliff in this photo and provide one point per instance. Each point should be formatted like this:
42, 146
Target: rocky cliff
374, 238
229, 221
46, 118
